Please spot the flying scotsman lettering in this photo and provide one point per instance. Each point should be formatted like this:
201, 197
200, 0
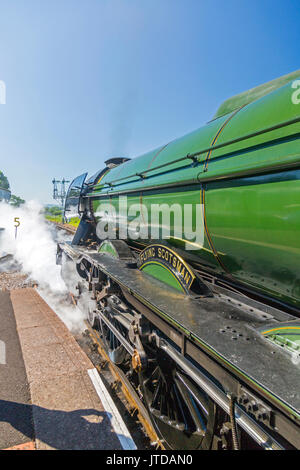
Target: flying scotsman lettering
169, 259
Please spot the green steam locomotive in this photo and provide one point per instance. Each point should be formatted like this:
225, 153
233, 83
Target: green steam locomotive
187, 261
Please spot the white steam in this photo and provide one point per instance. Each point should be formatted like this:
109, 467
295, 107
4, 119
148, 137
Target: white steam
34, 248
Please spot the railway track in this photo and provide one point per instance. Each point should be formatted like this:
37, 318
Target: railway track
134, 403
66, 227
121, 381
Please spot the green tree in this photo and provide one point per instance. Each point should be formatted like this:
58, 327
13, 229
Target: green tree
54, 210
16, 201
4, 184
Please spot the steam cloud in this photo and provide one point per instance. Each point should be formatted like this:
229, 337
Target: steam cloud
122, 122
34, 249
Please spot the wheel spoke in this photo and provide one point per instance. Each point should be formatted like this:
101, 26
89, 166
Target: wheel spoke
194, 411
182, 414
163, 403
156, 395
176, 409
174, 412
193, 391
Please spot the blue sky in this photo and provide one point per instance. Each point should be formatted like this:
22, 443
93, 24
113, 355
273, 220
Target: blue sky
88, 80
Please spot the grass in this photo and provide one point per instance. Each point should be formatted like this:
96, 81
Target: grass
53, 218
58, 218
74, 221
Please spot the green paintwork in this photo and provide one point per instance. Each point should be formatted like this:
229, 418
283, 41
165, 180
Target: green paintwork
254, 94
285, 335
163, 274
107, 248
251, 189
289, 342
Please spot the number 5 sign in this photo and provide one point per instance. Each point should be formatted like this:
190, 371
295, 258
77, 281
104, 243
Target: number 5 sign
17, 223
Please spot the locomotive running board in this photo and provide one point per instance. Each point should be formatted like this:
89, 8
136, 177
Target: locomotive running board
225, 330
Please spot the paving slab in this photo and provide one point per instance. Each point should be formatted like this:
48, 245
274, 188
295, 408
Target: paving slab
26, 446
66, 410
16, 425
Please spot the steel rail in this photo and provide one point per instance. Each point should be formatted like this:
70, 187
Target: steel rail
129, 392
68, 228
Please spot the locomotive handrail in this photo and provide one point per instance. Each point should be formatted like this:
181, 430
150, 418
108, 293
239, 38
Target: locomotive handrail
193, 156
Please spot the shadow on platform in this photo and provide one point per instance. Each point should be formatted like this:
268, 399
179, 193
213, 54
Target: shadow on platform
79, 429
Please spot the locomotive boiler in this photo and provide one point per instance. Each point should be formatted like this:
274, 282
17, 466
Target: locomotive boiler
186, 259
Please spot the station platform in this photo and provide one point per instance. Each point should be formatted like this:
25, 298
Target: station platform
51, 396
